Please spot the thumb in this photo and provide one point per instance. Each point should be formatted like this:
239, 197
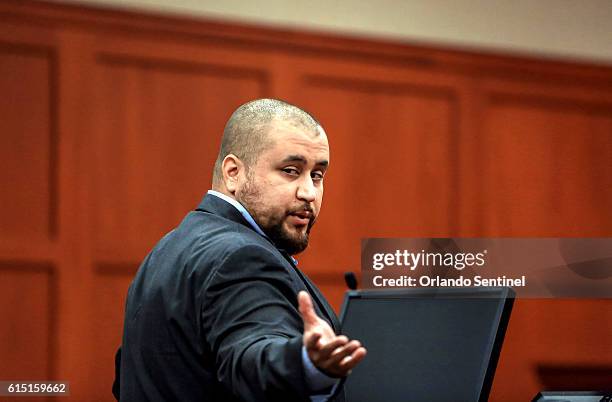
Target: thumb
308, 314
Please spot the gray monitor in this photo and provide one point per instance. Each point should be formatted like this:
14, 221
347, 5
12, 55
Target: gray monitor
426, 344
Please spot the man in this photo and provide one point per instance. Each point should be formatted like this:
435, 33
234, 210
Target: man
218, 310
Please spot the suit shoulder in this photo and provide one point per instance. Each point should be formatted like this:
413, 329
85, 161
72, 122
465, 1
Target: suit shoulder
218, 238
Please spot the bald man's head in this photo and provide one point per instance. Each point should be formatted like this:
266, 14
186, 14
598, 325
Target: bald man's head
246, 133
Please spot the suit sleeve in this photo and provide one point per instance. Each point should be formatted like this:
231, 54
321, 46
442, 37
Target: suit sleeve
252, 325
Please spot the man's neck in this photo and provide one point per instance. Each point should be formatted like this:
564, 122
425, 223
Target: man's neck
243, 211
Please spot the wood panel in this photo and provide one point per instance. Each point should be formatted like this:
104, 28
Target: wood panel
546, 164
156, 139
392, 149
110, 124
27, 307
557, 334
29, 199
28, 152
544, 170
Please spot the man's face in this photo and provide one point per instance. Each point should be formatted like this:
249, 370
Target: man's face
283, 191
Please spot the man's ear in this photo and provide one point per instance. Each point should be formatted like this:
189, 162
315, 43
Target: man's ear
233, 170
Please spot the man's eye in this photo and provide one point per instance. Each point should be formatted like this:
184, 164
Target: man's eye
317, 176
291, 171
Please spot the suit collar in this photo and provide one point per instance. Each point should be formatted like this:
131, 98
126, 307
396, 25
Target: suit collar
220, 207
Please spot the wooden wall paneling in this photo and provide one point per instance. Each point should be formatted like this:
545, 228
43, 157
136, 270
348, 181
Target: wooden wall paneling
545, 171
28, 142
546, 160
394, 160
471, 194
161, 112
27, 307
570, 334
157, 134
472, 199
29, 230
284, 75
185, 29
75, 324
195, 53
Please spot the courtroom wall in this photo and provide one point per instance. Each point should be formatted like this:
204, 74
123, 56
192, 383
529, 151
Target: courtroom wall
109, 127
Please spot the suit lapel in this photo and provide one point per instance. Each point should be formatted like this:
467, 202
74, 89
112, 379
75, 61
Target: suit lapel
318, 298
217, 206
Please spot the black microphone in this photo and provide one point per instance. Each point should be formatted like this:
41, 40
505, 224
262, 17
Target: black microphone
351, 280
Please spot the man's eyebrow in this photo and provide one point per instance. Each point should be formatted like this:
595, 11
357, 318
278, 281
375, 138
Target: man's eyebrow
295, 158
302, 159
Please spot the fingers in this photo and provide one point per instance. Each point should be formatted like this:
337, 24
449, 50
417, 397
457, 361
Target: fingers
307, 311
346, 357
339, 356
326, 349
351, 361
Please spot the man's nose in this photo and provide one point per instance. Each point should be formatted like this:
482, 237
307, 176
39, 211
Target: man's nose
306, 190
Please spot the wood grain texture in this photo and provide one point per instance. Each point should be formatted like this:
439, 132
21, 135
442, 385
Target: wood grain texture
27, 307
28, 152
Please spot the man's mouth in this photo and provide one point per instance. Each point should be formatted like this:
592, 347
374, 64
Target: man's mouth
301, 218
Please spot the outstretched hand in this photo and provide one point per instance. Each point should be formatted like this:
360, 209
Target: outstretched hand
333, 354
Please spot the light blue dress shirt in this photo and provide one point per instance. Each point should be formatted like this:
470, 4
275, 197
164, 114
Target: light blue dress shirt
314, 377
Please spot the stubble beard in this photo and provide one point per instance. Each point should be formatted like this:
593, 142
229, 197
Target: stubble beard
270, 222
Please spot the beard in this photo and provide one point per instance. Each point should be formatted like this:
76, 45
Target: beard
283, 240
272, 220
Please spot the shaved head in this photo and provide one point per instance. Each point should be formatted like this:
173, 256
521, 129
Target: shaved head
246, 132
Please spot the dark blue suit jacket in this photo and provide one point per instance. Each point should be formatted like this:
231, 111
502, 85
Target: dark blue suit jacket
212, 315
